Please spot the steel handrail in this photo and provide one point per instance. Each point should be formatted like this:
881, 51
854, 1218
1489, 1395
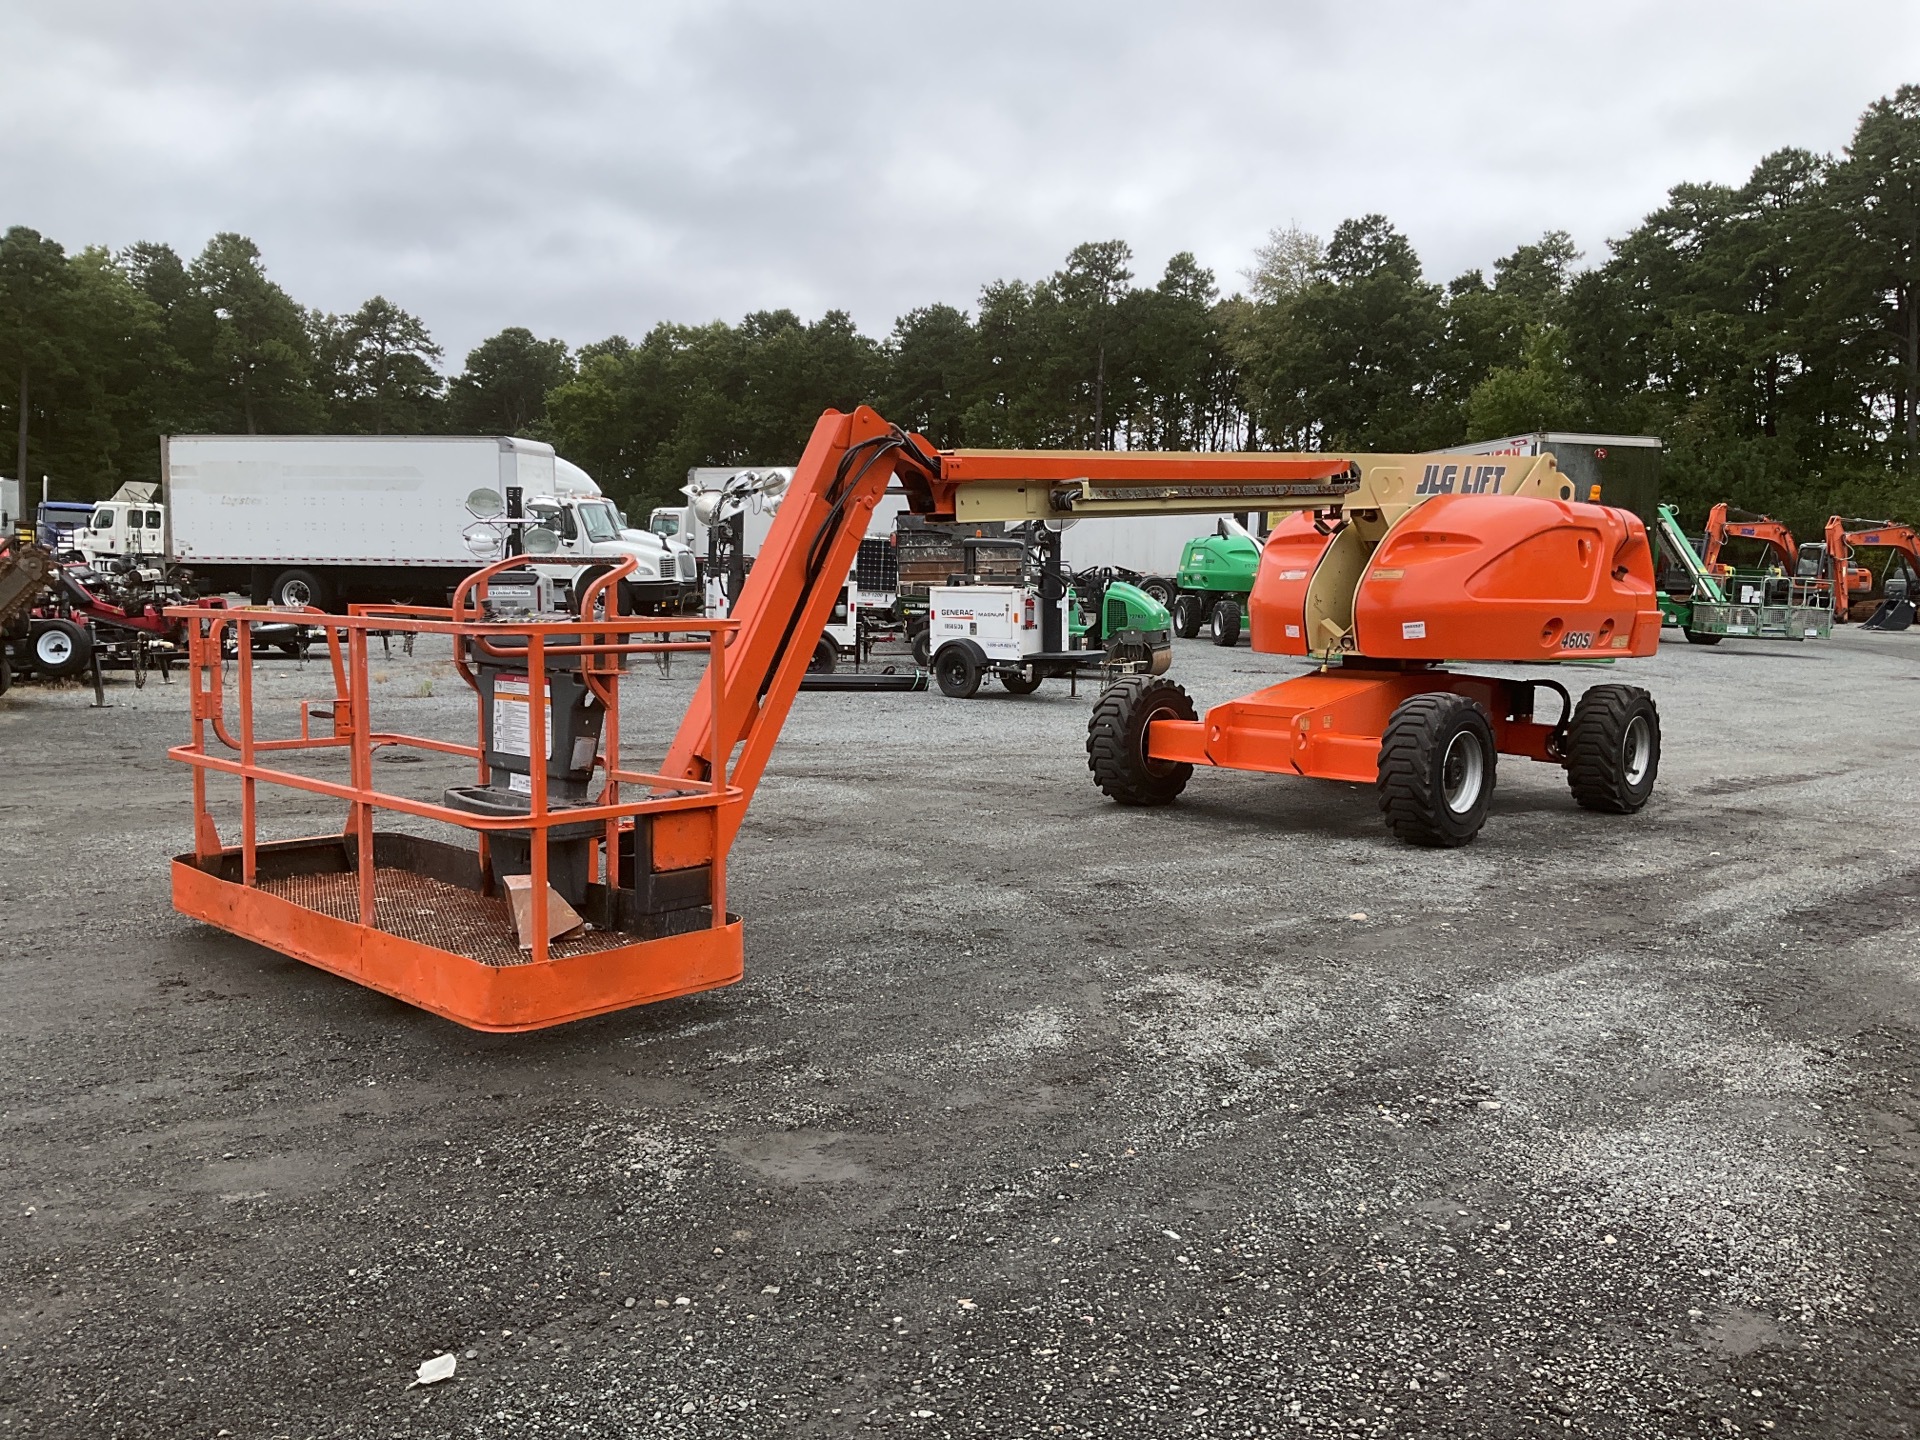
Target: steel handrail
587, 641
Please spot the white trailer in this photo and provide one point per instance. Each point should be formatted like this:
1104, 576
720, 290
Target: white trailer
1150, 546
324, 519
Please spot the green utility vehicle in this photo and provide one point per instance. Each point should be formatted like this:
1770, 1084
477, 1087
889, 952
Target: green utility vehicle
1707, 608
1215, 578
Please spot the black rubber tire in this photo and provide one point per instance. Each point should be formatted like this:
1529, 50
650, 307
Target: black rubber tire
60, 648
1418, 758
1023, 681
922, 648
1156, 587
292, 589
1186, 615
826, 657
957, 673
1613, 749
1225, 622
1702, 637
6, 674
1117, 740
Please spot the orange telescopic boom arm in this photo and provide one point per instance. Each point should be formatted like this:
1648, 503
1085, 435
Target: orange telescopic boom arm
847, 467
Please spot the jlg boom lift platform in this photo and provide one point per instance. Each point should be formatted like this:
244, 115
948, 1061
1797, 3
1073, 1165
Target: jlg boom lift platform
1389, 566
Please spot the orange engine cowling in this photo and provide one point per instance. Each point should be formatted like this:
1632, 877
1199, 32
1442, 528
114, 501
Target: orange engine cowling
1468, 577
1277, 607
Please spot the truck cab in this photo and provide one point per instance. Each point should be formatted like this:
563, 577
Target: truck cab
122, 528
587, 526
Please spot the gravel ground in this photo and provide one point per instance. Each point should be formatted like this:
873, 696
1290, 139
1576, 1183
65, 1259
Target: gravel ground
1032, 1116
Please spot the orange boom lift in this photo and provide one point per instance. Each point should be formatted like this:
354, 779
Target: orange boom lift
1391, 565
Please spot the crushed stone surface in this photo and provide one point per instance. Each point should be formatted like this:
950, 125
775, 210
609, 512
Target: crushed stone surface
1033, 1115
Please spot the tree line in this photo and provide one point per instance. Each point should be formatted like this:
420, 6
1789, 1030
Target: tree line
1769, 332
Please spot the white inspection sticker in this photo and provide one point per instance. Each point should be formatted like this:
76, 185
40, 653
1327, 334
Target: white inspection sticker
1293, 632
1413, 629
1293, 574
523, 784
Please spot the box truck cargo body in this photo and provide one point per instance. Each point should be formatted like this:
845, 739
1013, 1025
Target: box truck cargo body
328, 519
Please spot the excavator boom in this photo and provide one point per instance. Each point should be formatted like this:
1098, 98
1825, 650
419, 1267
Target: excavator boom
1724, 525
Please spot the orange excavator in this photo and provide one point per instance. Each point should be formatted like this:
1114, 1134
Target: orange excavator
1872, 595
592, 884
1776, 542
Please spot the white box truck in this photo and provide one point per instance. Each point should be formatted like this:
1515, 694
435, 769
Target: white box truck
327, 519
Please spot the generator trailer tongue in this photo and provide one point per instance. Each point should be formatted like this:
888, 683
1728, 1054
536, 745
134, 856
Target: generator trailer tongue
590, 884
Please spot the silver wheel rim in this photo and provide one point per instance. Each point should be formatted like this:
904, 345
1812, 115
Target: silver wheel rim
54, 647
1463, 772
294, 593
1636, 749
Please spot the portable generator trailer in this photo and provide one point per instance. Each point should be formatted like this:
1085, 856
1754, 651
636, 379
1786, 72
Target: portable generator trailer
1046, 623
1379, 583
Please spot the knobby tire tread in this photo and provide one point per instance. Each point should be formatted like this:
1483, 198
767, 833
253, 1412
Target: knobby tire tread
1115, 740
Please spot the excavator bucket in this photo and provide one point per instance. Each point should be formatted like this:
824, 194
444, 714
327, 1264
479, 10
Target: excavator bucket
1891, 615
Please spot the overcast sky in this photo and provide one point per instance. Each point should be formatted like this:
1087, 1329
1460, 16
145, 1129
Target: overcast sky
593, 167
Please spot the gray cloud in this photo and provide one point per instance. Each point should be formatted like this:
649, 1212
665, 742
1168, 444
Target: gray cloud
591, 168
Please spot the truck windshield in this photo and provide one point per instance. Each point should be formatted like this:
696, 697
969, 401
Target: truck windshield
597, 520
665, 522
102, 520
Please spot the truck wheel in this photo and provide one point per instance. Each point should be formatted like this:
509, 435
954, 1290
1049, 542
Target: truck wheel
1117, 741
1702, 637
922, 648
1226, 622
60, 648
826, 657
1186, 616
956, 672
1613, 749
1160, 590
297, 589
1436, 770
1023, 681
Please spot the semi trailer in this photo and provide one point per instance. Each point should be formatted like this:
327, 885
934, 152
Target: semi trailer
322, 520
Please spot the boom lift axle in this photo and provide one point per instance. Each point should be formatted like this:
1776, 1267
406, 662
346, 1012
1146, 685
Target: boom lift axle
1388, 566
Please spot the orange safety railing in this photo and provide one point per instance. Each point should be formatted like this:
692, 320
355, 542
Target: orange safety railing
595, 643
